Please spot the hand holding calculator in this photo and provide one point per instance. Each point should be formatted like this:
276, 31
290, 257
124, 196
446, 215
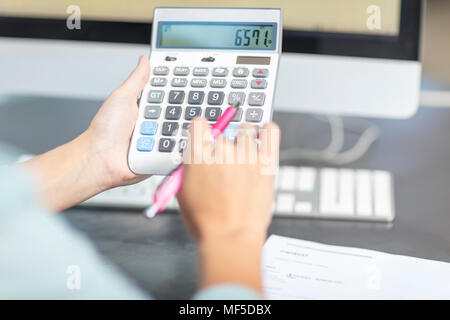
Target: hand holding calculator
204, 59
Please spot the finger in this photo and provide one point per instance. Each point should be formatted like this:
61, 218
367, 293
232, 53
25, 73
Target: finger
200, 139
269, 137
138, 78
246, 144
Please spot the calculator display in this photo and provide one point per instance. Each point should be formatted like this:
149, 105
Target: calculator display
217, 35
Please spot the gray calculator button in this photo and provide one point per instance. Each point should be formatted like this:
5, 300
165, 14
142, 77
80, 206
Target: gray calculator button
170, 129
254, 115
259, 84
238, 116
182, 145
201, 72
215, 98
234, 97
152, 112
218, 83
159, 82
256, 99
220, 72
260, 73
212, 114
161, 71
185, 129
196, 97
181, 71
239, 83
166, 145
176, 97
179, 82
240, 72
155, 96
192, 112
199, 83
173, 113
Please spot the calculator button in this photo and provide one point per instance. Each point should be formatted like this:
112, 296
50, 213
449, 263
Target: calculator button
152, 112
259, 84
256, 99
218, 83
155, 96
231, 131
161, 71
145, 144
159, 82
240, 72
239, 83
254, 115
181, 71
148, 128
201, 72
176, 97
166, 145
179, 82
192, 112
215, 98
182, 145
170, 129
173, 113
220, 72
212, 114
196, 97
199, 83
185, 129
238, 116
234, 97
261, 73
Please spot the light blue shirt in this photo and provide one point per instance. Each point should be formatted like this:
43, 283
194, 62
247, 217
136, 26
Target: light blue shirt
43, 257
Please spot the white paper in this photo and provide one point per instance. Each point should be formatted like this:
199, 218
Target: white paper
297, 269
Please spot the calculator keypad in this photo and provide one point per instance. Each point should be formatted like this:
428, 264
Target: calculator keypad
182, 93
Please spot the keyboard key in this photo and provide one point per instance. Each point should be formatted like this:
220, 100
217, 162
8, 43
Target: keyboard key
179, 82
235, 97
185, 129
155, 96
218, 83
161, 71
337, 194
145, 144
148, 128
303, 207
307, 179
170, 129
363, 193
238, 116
152, 112
196, 97
215, 98
159, 82
261, 73
239, 83
254, 115
288, 178
199, 83
192, 112
173, 113
220, 72
201, 72
166, 145
176, 97
181, 71
212, 114
256, 99
382, 194
259, 84
182, 145
285, 203
241, 72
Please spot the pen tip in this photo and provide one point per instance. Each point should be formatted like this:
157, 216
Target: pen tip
151, 211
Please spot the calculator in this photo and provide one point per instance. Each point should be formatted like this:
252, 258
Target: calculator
203, 60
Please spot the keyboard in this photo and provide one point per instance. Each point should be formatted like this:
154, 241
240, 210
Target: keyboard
300, 192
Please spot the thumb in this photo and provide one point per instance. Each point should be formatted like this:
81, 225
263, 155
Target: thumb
138, 78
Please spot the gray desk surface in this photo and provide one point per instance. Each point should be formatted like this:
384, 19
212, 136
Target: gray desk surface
160, 255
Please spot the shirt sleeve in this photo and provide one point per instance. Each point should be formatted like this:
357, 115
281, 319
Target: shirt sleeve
227, 292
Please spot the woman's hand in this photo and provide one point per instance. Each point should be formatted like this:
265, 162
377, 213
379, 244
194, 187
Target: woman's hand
97, 159
227, 205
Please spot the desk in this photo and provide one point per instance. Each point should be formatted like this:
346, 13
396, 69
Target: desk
161, 257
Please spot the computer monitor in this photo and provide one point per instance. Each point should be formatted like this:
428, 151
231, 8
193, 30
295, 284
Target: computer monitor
346, 57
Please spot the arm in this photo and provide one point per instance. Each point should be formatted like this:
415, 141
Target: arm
227, 205
97, 159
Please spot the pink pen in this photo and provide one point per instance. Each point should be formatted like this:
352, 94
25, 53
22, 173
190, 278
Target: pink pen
170, 186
